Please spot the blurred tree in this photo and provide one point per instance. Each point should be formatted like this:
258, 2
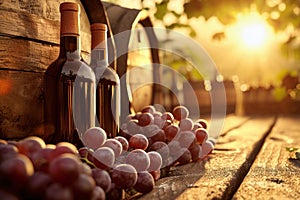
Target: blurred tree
280, 14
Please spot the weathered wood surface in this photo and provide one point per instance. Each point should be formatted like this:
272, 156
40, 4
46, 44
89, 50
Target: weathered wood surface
38, 20
219, 176
25, 55
275, 174
21, 104
29, 43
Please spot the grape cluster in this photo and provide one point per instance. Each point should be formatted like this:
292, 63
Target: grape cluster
105, 168
175, 136
31, 169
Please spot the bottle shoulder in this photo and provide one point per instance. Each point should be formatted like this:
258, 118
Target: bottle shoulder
106, 74
78, 68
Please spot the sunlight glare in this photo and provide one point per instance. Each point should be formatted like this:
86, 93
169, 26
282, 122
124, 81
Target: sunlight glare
253, 30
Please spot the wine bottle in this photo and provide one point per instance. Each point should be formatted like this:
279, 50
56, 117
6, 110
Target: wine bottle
107, 80
69, 85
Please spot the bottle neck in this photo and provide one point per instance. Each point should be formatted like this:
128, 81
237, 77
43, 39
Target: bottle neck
99, 57
70, 47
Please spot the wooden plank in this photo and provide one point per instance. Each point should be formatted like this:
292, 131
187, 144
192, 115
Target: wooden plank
21, 104
29, 25
233, 122
274, 174
219, 175
39, 21
25, 55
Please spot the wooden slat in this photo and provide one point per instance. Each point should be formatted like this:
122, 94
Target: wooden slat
40, 22
233, 122
19, 54
219, 176
28, 25
21, 104
274, 175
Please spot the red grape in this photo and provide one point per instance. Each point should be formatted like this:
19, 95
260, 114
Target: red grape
186, 124
145, 119
98, 194
94, 137
104, 157
180, 112
37, 185
186, 139
149, 109
83, 187
197, 125
123, 141
185, 158
155, 161
16, 171
115, 145
175, 151
203, 123
8, 151
149, 130
171, 131
138, 141
30, 145
57, 191
124, 176
84, 168
158, 121
137, 115
62, 148
64, 169
133, 127
159, 135
207, 148
41, 159
167, 116
102, 179
161, 148
196, 152
201, 135
145, 182
139, 159
115, 193
157, 114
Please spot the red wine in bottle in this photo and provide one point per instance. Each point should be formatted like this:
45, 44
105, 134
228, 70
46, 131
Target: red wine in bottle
69, 85
107, 80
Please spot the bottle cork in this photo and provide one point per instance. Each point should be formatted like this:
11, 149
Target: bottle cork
69, 19
98, 31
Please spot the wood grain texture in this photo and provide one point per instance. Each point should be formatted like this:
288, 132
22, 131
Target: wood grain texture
29, 43
25, 55
219, 176
21, 104
39, 20
275, 174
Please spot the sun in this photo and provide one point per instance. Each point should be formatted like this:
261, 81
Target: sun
252, 30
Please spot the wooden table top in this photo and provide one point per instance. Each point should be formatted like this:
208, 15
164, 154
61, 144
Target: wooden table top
250, 161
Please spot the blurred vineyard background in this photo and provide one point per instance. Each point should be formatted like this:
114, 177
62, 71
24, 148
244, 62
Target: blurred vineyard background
255, 45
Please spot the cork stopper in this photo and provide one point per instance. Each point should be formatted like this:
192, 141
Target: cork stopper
98, 31
69, 19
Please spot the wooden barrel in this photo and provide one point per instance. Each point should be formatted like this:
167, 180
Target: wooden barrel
29, 42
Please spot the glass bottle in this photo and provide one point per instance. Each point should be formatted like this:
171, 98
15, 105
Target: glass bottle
69, 85
107, 80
